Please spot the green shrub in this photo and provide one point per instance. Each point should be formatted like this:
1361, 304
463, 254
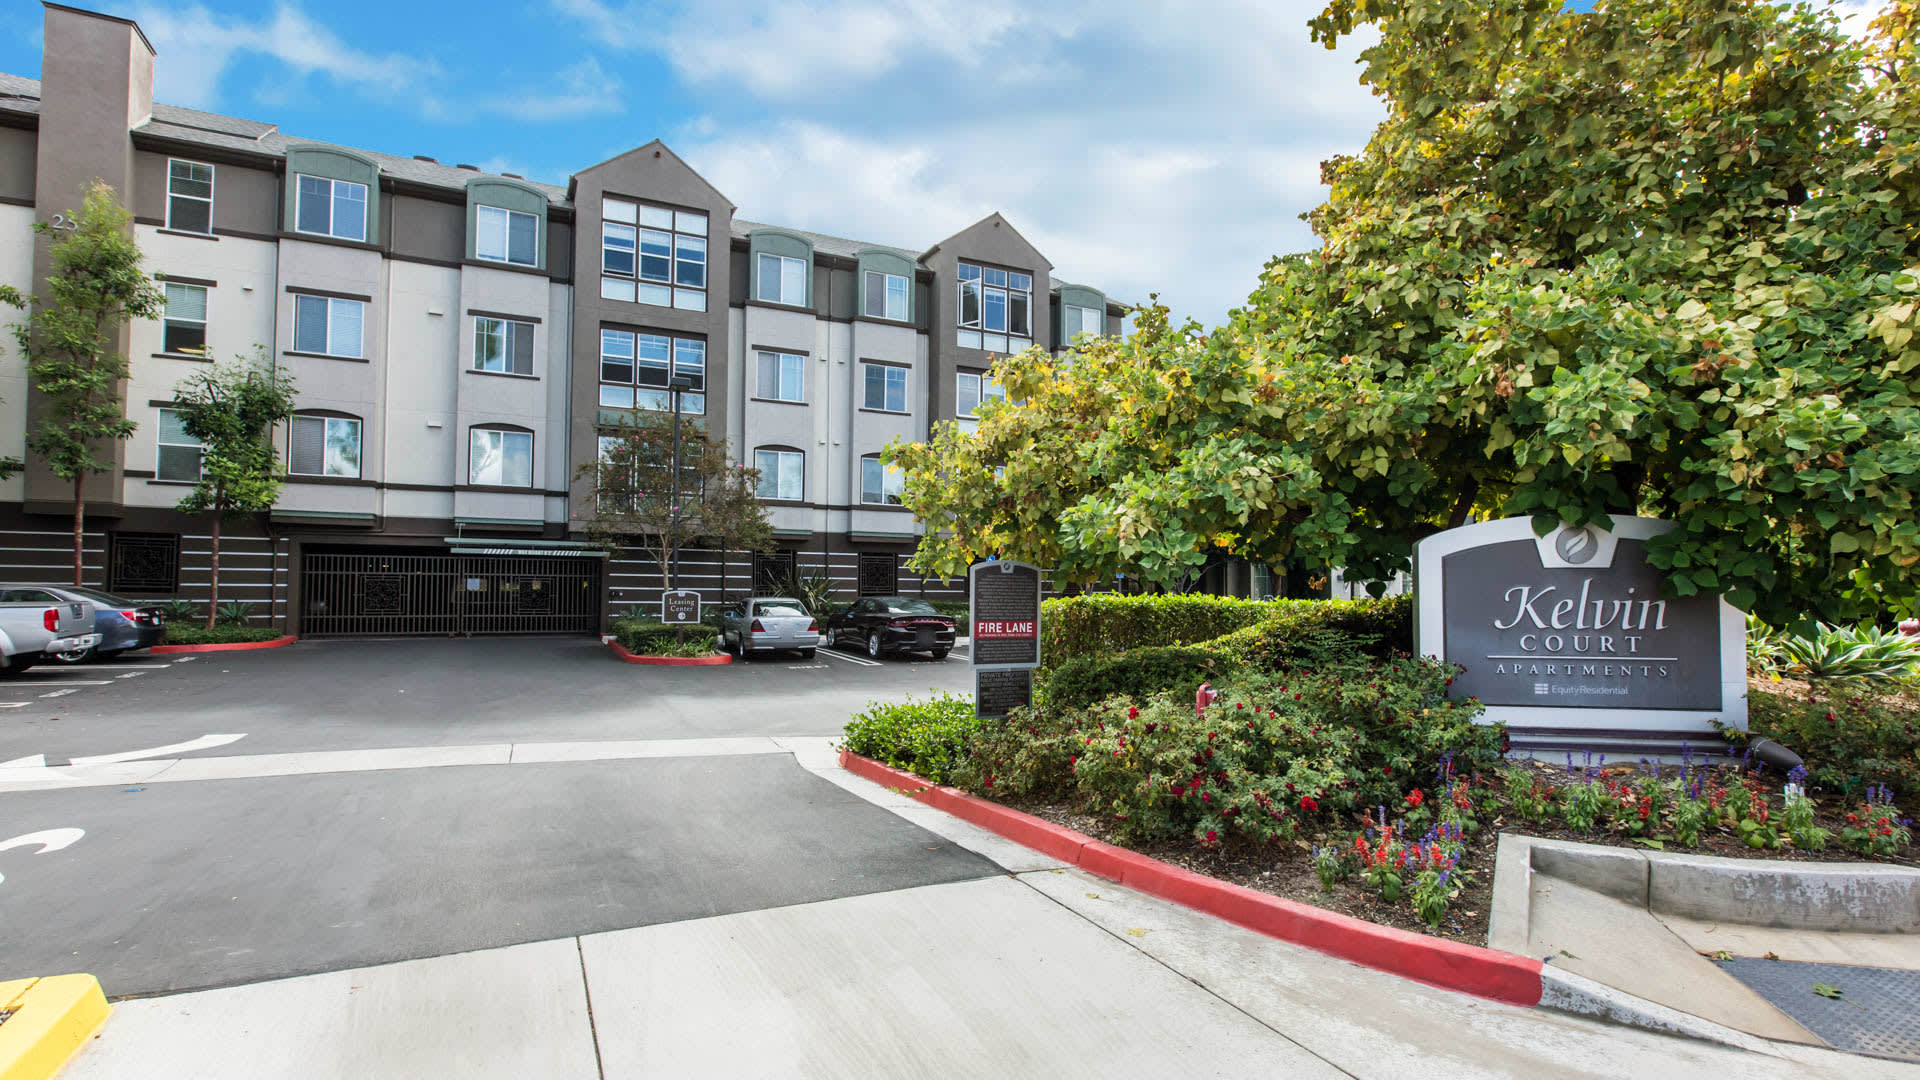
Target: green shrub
1849, 738
185, 634
1275, 754
1137, 674
234, 613
180, 611
650, 638
1102, 624
927, 738
957, 610
1265, 633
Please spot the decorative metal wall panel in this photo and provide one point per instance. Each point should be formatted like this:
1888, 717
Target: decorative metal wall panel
362, 594
144, 563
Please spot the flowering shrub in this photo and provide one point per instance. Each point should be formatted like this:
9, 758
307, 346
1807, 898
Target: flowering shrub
1849, 737
1876, 827
927, 738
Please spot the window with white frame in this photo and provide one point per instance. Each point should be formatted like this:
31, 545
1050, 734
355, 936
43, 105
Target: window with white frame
328, 325
973, 390
324, 446
782, 376
886, 296
325, 207
1075, 321
503, 346
995, 309
880, 484
189, 196
500, 458
184, 329
782, 279
883, 386
782, 474
179, 453
502, 235
653, 255
635, 368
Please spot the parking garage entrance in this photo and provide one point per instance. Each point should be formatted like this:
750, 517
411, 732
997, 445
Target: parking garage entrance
350, 593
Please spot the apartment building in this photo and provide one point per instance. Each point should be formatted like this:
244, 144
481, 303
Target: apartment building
461, 341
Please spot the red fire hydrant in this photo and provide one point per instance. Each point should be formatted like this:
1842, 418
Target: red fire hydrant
1203, 698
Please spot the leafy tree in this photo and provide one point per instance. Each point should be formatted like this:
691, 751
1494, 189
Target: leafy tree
95, 286
1662, 258
232, 410
634, 503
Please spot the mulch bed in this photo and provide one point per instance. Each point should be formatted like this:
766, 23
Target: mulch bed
1287, 870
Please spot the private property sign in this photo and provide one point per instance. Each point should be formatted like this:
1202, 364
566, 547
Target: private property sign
1568, 639
1004, 601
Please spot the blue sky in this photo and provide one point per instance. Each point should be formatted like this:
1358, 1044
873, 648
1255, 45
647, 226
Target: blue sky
1144, 145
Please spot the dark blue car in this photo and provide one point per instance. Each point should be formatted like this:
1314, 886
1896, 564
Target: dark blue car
122, 624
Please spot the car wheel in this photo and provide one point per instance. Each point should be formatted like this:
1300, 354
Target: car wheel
740, 647
16, 665
939, 654
833, 639
873, 644
806, 654
74, 656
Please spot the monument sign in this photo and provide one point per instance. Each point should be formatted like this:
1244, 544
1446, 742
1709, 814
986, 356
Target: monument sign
1003, 599
680, 607
1569, 640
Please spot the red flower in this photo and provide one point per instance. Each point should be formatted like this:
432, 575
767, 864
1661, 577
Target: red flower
1206, 796
1212, 836
1075, 760
1133, 712
1178, 789
1416, 798
1239, 704
1386, 770
1150, 728
1308, 803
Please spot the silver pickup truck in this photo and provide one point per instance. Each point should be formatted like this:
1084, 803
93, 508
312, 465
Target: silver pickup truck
31, 629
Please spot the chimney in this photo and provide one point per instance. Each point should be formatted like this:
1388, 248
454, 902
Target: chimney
96, 85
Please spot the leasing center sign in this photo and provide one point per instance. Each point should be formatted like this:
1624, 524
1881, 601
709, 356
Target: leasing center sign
1571, 631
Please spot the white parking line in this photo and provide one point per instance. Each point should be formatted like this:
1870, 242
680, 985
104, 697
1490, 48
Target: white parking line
130, 675
60, 693
29, 681
837, 655
151, 665
13, 704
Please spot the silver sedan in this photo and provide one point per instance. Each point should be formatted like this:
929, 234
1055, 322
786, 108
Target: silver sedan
766, 623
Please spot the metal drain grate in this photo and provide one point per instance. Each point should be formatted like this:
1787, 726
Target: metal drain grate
1878, 1011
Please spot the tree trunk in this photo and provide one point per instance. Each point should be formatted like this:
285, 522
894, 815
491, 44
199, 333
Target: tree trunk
79, 524
213, 594
1464, 505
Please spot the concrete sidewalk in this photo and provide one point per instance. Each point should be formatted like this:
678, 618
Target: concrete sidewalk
1041, 972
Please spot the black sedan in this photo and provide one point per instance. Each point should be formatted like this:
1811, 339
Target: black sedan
122, 624
884, 624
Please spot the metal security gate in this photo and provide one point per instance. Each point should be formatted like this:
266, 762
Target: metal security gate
381, 594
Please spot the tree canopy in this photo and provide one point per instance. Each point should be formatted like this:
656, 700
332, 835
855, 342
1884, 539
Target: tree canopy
1661, 258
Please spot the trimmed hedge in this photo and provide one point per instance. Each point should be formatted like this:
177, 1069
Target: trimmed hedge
219, 635
648, 637
927, 738
1101, 625
1138, 674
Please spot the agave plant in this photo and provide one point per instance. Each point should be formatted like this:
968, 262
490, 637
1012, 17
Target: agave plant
1834, 652
180, 611
814, 591
234, 613
1765, 651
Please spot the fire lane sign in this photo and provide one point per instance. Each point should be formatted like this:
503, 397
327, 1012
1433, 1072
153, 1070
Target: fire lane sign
1004, 605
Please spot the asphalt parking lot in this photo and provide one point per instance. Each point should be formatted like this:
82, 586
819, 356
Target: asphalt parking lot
356, 693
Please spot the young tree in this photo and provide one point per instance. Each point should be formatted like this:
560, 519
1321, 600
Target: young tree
1659, 259
95, 286
232, 410
634, 498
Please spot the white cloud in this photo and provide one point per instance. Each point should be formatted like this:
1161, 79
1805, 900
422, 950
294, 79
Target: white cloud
1144, 146
583, 89
196, 46
1855, 15
806, 47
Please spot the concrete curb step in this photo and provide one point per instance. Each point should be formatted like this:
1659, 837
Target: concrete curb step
225, 646
48, 1021
623, 653
1471, 969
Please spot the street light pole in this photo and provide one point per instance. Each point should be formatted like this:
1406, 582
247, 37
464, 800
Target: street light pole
675, 386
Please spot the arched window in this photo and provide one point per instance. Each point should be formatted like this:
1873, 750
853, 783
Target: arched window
783, 472
880, 484
323, 444
500, 455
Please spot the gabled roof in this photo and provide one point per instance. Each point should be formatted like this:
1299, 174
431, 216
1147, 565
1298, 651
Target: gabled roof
996, 218
660, 148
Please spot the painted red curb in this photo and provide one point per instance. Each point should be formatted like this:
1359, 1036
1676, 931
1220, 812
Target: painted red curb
225, 646
1451, 965
620, 651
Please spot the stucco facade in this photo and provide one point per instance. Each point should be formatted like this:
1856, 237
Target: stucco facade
445, 330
